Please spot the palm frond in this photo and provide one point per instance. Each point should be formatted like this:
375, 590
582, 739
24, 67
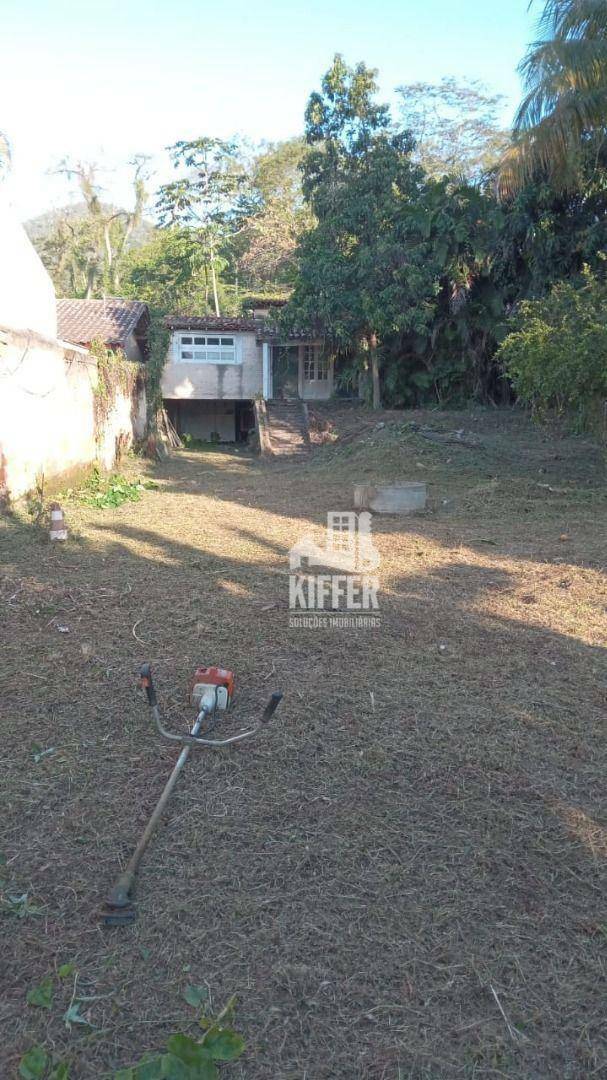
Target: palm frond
565, 79
573, 18
568, 70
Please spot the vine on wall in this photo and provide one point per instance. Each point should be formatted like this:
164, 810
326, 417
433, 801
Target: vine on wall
159, 343
116, 375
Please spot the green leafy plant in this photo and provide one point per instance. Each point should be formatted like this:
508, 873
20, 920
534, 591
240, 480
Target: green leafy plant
41, 995
192, 443
34, 1065
196, 995
109, 491
556, 354
20, 906
38, 753
192, 1059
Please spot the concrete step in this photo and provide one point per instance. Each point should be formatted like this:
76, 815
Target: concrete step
288, 427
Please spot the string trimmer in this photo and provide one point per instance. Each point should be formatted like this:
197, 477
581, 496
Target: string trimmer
211, 691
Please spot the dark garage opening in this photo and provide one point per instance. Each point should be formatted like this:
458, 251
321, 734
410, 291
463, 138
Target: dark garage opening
212, 421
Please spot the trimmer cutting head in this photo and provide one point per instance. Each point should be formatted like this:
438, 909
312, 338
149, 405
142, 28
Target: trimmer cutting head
119, 909
117, 916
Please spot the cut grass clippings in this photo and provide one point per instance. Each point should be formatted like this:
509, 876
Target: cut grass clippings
405, 874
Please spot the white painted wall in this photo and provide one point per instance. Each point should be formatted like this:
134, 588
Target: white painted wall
214, 382
47, 412
27, 296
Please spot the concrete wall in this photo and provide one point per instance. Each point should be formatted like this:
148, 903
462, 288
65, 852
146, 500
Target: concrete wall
215, 382
47, 423
27, 296
241, 382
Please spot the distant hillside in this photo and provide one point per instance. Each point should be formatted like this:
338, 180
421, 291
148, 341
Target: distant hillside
40, 227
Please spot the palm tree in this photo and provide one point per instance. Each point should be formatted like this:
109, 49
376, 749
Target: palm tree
565, 102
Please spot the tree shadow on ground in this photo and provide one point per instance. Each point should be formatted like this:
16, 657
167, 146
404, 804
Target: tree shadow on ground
422, 823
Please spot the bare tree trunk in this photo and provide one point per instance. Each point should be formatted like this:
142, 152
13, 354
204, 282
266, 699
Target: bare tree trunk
109, 254
214, 282
90, 282
375, 371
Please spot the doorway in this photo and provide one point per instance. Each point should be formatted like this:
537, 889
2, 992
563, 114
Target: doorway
285, 371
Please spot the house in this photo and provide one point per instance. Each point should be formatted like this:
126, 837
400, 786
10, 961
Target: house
119, 324
219, 369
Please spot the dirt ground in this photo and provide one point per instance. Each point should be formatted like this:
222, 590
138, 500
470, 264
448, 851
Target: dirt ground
404, 877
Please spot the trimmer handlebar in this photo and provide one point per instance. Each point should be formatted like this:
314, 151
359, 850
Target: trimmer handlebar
145, 681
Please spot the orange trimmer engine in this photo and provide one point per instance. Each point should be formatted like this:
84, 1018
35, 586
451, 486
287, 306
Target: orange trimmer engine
216, 679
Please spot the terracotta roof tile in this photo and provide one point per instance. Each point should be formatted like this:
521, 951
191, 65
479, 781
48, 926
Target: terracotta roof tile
264, 329
111, 320
213, 322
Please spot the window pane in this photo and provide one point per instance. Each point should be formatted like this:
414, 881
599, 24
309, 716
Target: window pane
227, 355
227, 341
199, 341
200, 354
212, 341
186, 341
185, 355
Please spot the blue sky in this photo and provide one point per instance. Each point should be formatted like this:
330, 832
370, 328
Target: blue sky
102, 81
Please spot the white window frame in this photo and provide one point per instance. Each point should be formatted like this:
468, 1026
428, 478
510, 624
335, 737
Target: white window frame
207, 347
318, 364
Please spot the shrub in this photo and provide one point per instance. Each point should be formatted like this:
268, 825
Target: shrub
556, 356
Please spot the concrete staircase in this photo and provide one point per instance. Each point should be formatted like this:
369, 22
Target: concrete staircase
287, 428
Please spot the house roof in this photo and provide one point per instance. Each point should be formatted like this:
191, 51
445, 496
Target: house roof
111, 320
264, 330
213, 322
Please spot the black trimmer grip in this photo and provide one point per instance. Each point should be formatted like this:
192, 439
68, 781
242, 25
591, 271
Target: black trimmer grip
145, 680
271, 707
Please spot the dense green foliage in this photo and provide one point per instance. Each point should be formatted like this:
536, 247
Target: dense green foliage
399, 238
556, 355
403, 273
419, 274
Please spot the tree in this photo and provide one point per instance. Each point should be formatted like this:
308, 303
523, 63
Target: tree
169, 273
206, 198
456, 300
563, 114
455, 127
84, 245
277, 216
556, 353
357, 174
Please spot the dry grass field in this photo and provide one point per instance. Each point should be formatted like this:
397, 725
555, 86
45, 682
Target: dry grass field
405, 876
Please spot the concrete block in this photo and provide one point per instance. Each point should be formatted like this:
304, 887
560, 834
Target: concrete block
402, 497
